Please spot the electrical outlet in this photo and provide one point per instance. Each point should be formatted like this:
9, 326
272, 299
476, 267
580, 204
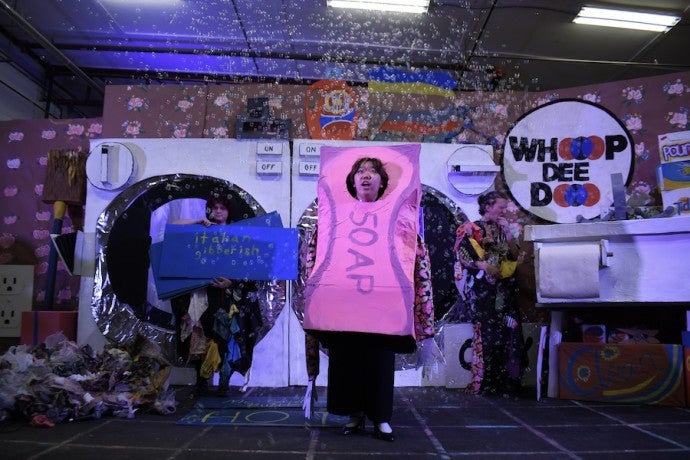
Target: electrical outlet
16, 292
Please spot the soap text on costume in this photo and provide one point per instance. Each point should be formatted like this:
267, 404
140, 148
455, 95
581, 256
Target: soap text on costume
362, 235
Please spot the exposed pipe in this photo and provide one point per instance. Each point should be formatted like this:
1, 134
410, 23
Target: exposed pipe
534, 57
244, 34
472, 54
34, 79
16, 17
452, 67
49, 96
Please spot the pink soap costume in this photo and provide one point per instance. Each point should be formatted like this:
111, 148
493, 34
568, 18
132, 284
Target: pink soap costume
368, 292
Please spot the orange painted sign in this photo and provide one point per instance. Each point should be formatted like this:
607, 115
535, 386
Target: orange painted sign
331, 110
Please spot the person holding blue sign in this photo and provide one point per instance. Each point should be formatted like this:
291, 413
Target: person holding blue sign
225, 315
218, 212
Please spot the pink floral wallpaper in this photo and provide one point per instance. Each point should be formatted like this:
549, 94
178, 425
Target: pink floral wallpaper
154, 111
648, 107
26, 221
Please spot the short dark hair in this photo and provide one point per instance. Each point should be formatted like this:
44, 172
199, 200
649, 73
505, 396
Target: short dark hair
211, 202
488, 199
378, 166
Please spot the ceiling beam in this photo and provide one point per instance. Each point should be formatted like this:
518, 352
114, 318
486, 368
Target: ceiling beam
48, 45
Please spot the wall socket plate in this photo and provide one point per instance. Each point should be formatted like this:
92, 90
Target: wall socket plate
16, 292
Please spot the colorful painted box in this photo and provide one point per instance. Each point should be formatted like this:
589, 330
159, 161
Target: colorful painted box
626, 373
672, 172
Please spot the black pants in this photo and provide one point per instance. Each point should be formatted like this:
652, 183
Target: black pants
361, 372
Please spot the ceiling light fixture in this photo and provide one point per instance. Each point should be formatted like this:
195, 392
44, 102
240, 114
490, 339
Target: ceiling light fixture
626, 19
401, 6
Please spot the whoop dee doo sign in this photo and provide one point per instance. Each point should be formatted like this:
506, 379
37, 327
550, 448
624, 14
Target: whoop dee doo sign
559, 160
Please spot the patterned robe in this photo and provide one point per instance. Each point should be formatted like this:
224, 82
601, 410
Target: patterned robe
489, 304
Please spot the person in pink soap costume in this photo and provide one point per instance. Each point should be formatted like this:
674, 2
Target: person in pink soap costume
362, 365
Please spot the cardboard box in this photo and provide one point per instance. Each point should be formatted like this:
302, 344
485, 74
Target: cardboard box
671, 177
457, 349
37, 325
627, 373
532, 334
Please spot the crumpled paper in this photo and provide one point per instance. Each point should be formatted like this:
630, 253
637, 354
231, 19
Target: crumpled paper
58, 381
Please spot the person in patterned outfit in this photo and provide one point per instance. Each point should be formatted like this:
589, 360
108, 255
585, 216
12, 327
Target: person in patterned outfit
486, 256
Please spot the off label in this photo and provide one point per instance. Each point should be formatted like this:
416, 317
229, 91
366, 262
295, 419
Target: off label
269, 167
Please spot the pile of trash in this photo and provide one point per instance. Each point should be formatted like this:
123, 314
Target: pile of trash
58, 381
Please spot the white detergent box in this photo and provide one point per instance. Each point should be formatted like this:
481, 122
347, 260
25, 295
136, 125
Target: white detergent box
673, 172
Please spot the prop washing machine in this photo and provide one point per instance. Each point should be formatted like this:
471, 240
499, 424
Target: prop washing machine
452, 176
135, 187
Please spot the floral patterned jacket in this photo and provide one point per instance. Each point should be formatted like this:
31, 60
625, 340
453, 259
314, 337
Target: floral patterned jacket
423, 301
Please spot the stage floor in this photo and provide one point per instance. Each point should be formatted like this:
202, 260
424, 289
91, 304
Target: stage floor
428, 423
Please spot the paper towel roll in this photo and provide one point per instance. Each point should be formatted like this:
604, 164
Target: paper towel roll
569, 270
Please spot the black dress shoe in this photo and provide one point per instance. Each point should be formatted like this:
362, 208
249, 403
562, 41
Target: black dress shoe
378, 434
354, 428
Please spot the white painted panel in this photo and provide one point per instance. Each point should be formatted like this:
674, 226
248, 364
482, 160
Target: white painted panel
227, 159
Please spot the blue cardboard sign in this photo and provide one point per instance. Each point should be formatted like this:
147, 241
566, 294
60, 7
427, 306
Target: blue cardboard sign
167, 288
272, 219
182, 275
233, 251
